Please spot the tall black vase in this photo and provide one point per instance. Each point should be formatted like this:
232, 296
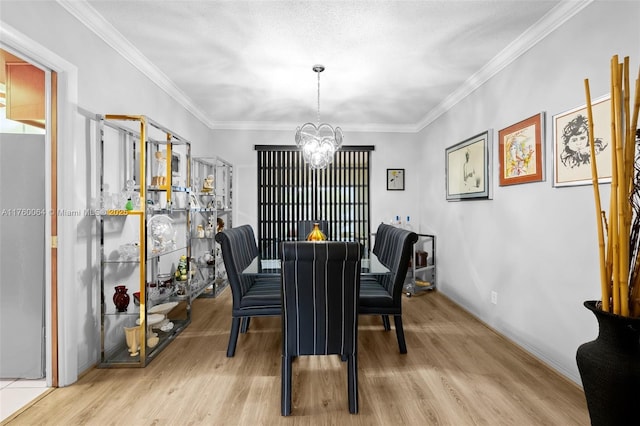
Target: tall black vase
610, 369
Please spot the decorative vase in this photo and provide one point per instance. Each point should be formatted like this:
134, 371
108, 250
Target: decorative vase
121, 298
316, 234
610, 369
132, 336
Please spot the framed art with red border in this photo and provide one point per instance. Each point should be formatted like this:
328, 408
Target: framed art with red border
521, 153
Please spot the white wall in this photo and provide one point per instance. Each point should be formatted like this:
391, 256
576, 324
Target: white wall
392, 150
535, 245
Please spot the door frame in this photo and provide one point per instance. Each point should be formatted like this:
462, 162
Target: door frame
61, 365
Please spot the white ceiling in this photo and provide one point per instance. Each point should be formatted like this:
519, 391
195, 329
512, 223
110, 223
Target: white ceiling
390, 65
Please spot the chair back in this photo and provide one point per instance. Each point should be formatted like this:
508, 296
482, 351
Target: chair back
394, 247
305, 227
239, 248
320, 289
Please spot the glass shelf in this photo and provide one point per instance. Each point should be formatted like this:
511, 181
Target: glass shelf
121, 357
117, 261
152, 255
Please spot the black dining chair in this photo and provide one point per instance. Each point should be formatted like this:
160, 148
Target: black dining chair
320, 286
252, 296
305, 227
382, 294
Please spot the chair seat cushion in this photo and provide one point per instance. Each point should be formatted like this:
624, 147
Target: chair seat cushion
263, 293
372, 293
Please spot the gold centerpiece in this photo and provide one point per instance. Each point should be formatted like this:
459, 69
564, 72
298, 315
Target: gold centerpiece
316, 234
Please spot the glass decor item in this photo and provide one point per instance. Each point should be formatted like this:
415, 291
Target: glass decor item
121, 298
161, 232
316, 234
318, 142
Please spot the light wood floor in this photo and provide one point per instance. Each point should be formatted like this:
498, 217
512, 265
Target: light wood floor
457, 372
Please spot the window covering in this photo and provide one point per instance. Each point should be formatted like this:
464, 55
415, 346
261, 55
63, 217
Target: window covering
289, 192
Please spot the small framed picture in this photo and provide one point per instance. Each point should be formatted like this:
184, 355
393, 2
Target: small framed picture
395, 179
176, 164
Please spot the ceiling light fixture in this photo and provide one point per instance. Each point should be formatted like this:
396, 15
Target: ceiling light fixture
318, 143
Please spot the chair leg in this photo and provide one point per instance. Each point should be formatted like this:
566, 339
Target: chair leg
352, 382
245, 325
397, 319
385, 322
233, 337
285, 393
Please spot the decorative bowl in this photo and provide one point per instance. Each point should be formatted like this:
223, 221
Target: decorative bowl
152, 320
163, 308
136, 298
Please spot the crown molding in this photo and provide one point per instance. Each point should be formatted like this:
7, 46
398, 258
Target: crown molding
281, 126
564, 11
87, 15
553, 19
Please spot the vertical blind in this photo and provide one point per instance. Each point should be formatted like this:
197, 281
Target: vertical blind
289, 192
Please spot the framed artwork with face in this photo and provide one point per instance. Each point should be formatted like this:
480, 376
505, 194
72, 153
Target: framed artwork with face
572, 151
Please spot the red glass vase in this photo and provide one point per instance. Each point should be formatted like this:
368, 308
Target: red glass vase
121, 298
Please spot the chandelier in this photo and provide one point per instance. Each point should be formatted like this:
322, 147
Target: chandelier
318, 143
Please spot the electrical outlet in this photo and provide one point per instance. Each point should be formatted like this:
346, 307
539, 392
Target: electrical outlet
494, 297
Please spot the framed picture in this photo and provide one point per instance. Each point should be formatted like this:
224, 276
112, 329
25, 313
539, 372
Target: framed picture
177, 163
521, 151
395, 179
467, 168
572, 152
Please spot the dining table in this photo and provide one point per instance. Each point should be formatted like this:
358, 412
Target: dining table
369, 266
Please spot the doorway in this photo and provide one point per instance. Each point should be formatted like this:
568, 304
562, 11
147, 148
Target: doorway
27, 142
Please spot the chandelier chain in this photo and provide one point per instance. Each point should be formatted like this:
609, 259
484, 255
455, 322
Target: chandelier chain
318, 97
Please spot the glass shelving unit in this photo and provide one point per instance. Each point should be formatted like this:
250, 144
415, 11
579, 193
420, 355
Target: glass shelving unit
211, 210
144, 221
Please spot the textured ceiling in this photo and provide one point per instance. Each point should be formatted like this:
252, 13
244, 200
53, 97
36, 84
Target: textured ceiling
390, 65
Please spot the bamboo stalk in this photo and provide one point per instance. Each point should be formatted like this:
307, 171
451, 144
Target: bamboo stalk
622, 119
629, 153
596, 192
613, 231
635, 289
629, 158
608, 258
620, 253
609, 262
615, 204
621, 302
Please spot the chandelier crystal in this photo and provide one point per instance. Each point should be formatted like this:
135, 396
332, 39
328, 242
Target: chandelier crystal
320, 142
